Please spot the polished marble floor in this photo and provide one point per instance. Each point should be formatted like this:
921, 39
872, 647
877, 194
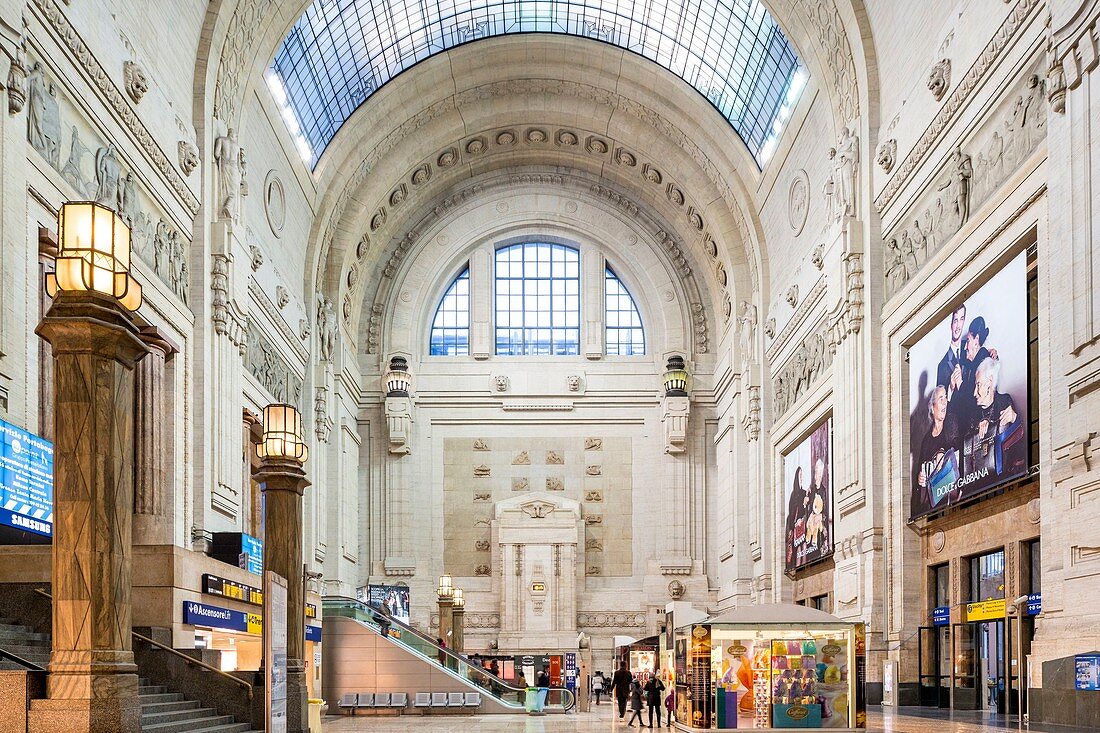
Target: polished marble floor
602, 720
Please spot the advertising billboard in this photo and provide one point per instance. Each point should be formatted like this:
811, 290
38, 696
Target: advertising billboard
968, 396
391, 599
26, 481
808, 490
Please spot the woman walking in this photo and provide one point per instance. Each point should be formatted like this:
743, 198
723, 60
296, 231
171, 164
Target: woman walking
597, 685
636, 705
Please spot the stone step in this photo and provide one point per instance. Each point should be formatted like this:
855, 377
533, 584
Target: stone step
7, 665
172, 716
16, 629
219, 723
160, 697
167, 707
27, 652
13, 633
151, 689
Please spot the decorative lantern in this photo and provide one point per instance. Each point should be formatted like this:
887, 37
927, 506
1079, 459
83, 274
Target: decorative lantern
676, 377
446, 589
93, 254
282, 434
398, 381
459, 600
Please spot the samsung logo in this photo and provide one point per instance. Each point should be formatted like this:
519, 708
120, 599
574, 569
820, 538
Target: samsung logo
35, 525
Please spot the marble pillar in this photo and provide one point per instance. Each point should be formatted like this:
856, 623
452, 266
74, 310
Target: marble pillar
458, 640
93, 682
284, 483
152, 450
446, 620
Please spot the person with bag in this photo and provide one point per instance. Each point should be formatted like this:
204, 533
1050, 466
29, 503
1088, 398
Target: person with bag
620, 687
636, 705
653, 697
597, 686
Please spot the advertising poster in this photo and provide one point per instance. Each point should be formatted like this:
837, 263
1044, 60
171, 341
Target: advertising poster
26, 481
968, 396
808, 482
393, 600
275, 650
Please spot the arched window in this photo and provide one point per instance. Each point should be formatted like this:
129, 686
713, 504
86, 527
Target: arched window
622, 322
538, 300
451, 327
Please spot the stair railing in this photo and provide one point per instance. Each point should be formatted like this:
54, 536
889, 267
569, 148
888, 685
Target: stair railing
164, 647
5, 654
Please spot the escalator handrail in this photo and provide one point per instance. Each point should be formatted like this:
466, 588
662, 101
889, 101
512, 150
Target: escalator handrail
376, 614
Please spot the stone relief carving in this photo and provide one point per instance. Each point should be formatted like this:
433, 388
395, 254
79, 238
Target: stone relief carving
322, 424
500, 383
482, 496
480, 444
43, 116
751, 421
769, 328
555, 483
822, 15
229, 159
257, 257
482, 471
939, 79
398, 195
520, 484
593, 443
594, 470
108, 174
282, 297
274, 202
746, 333
17, 79
481, 545
591, 519
676, 590
226, 321
135, 80
611, 619
326, 327
188, 157
593, 545
523, 458
887, 155
809, 360
792, 296
537, 509
817, 257
73, 171
592, 569
798, 202
554, 458
269, 368
593, 496
481, 571
573, 383
845, 159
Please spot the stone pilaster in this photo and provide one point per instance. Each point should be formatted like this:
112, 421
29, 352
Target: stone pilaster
152, 447
446, 620
284, 484
92, 676
458, 641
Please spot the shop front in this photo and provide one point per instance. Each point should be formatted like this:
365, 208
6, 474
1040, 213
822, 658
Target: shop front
770, 666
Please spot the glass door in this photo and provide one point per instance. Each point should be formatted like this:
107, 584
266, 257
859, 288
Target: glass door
991, 665
964, 689
934, 662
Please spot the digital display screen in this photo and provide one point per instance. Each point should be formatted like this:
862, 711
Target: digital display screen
26, 481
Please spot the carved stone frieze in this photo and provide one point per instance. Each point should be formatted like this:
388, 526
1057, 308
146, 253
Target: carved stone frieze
555, 483
808, 362
798, 201
135, 80
523, 458
751, 421
188, 157
939, 79
266, 364
482, 471
611, 619
519, 483
887, 155
322, 423
480, 444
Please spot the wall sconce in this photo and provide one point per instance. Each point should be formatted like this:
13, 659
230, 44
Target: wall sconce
676, 377
282, 437
93, 254
398, 380
459, 599
446, 589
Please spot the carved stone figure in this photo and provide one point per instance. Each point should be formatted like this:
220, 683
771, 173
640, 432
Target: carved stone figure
322, 425
522, 459
481, 445
228, 158
555, 483
135, 80
326, 327
594, 470
573, 383
43, 117
846, 161
817, 257
500, 383
482, 471
769, 328
593, 545
746, 332
939, 79
482, 496
17, 80
73, 171
282, 297
593, 443
520, 484
303, 329
481, 545
188, 157
792, 296
257, 257
128, 204
179, 266
1056, 84
887, 155
676, 590
958, 187
553, 458
481, 570
161, 248
592, 519
594, 496
107, 176
828, 191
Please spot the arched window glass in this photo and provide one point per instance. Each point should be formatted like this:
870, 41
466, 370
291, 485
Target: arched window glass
538, 308
622, 322
451, 327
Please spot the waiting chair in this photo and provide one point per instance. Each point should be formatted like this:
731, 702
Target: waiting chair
423, 700
348, 702
399, 700
366, 700
439, 699
455, 699
473, 699
381, 699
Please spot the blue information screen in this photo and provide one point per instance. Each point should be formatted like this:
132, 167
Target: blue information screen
254, 550
1088, 671
26, 480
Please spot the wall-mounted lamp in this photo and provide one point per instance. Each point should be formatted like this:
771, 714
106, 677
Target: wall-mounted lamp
282, 437
93, 254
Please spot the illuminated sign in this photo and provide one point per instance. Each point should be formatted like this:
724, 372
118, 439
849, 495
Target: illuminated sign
985, 610
218, 586
26, 481
538, 587
200, 614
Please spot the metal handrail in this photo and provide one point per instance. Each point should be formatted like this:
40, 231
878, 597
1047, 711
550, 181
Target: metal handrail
181, 655
5, 654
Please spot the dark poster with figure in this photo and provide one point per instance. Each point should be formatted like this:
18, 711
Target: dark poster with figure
699, 687
968, 396
808, 481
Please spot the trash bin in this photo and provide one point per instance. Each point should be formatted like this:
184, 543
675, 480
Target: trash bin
315, 715
536, 699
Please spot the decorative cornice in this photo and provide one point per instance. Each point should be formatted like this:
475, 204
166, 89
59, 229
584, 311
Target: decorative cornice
60, 25
611, 619
988, 59
796, 320
276, 318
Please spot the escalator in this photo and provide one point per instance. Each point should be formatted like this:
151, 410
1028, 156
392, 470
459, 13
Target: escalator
503, 696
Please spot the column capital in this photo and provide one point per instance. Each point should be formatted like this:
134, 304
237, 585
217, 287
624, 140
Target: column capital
90, 323
276, 474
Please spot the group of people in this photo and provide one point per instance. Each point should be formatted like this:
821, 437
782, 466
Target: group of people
627, 688
970, 423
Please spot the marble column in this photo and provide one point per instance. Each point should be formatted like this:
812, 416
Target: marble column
284, 483
93, 682
152, 447
446, 620
458, 639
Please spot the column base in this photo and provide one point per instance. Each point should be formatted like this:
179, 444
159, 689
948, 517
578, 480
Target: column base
297, 702
114, 714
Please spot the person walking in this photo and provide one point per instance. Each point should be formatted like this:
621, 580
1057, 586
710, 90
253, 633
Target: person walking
670, 703
597, 685
620, 687
636, 705
653, 697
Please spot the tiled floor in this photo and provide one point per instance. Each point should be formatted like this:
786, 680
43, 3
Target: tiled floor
602, 720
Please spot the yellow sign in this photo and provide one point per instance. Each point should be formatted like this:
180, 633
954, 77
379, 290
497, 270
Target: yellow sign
985, 610
255, 623
538, 587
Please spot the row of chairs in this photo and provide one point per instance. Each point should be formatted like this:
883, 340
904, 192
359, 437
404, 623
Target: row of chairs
447, 700
373, 701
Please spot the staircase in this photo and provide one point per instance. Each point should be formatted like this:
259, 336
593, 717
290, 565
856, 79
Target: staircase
171, 712
23, 642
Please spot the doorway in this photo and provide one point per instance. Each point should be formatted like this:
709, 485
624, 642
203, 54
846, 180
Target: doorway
990, 638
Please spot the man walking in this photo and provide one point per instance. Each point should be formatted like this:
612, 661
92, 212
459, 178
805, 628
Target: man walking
620, 687
653, 697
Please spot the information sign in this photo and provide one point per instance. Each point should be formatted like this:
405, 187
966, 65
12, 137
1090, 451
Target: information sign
1088, 671
252, 554
275, 652
313, 633
941, 615
985, 610
1034, 603
26, 481
214, 617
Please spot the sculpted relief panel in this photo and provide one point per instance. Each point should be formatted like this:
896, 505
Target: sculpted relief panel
269, 368
972, 174
479, 472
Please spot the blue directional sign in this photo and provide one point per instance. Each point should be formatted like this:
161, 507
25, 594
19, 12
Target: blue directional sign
1034, 603
26, 480
941, 615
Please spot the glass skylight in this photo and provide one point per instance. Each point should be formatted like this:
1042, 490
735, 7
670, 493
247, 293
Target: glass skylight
731, 51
